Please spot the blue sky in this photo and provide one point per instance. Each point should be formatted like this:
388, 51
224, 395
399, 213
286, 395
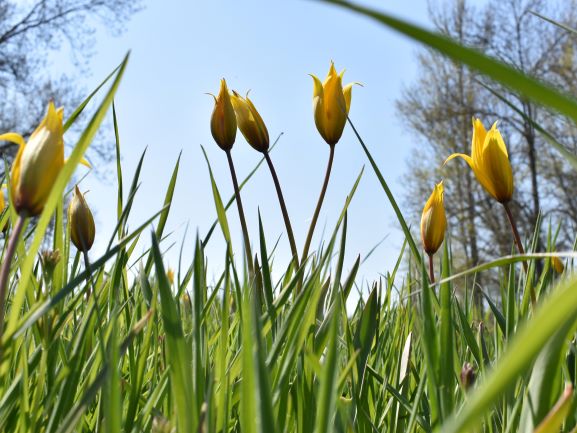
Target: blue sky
180, 50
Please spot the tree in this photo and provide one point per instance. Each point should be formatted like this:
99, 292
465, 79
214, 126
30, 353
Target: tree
29, 33
438, 108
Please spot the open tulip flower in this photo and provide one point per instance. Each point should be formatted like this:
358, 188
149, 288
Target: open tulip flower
37, 163
490, 161
331, 104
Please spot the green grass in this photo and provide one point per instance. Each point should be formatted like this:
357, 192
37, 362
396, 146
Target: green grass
253, 353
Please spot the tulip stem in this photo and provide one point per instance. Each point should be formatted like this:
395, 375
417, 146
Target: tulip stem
241, 214
5, 270
515, 232
285, 215
431, 269
519, 247
319, 204
90, 285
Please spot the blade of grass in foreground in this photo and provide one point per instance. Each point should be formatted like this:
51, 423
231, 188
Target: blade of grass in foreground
558, 310
258, 416
178, 354
328, 390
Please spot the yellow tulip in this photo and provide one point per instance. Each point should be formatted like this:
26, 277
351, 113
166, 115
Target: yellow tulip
331, 104
223, 120
433, 221
490, 161
170, 276
37, 163
250, 123
557, 264
82, 229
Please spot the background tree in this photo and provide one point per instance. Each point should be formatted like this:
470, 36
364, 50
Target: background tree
439, 106
30, 33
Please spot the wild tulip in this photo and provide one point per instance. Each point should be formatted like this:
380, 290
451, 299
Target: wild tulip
490, 161
170, 276
433, 225
250, 123
433, 221
331, 104
223, 120
37, 163
81, 221
557, 264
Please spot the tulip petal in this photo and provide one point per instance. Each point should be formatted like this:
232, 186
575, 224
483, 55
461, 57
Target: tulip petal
479, 135
467, 158
318, 86
13, 138
496, 167
250, 122
347, 93
318, 109
496, 135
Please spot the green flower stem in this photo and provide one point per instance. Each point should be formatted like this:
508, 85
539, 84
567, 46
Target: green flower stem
519, 246
92, 287
431, 269
5, 270
285, 215
319, 204
247, 249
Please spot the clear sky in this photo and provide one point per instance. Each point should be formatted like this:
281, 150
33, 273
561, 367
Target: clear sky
180, 50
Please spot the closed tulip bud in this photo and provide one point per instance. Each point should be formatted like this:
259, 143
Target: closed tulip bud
468, 376
331, 104
223, 120
433, 221
490, 161
170, 276
250, 123
557, 264
82, 229
37, 163
50, 259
